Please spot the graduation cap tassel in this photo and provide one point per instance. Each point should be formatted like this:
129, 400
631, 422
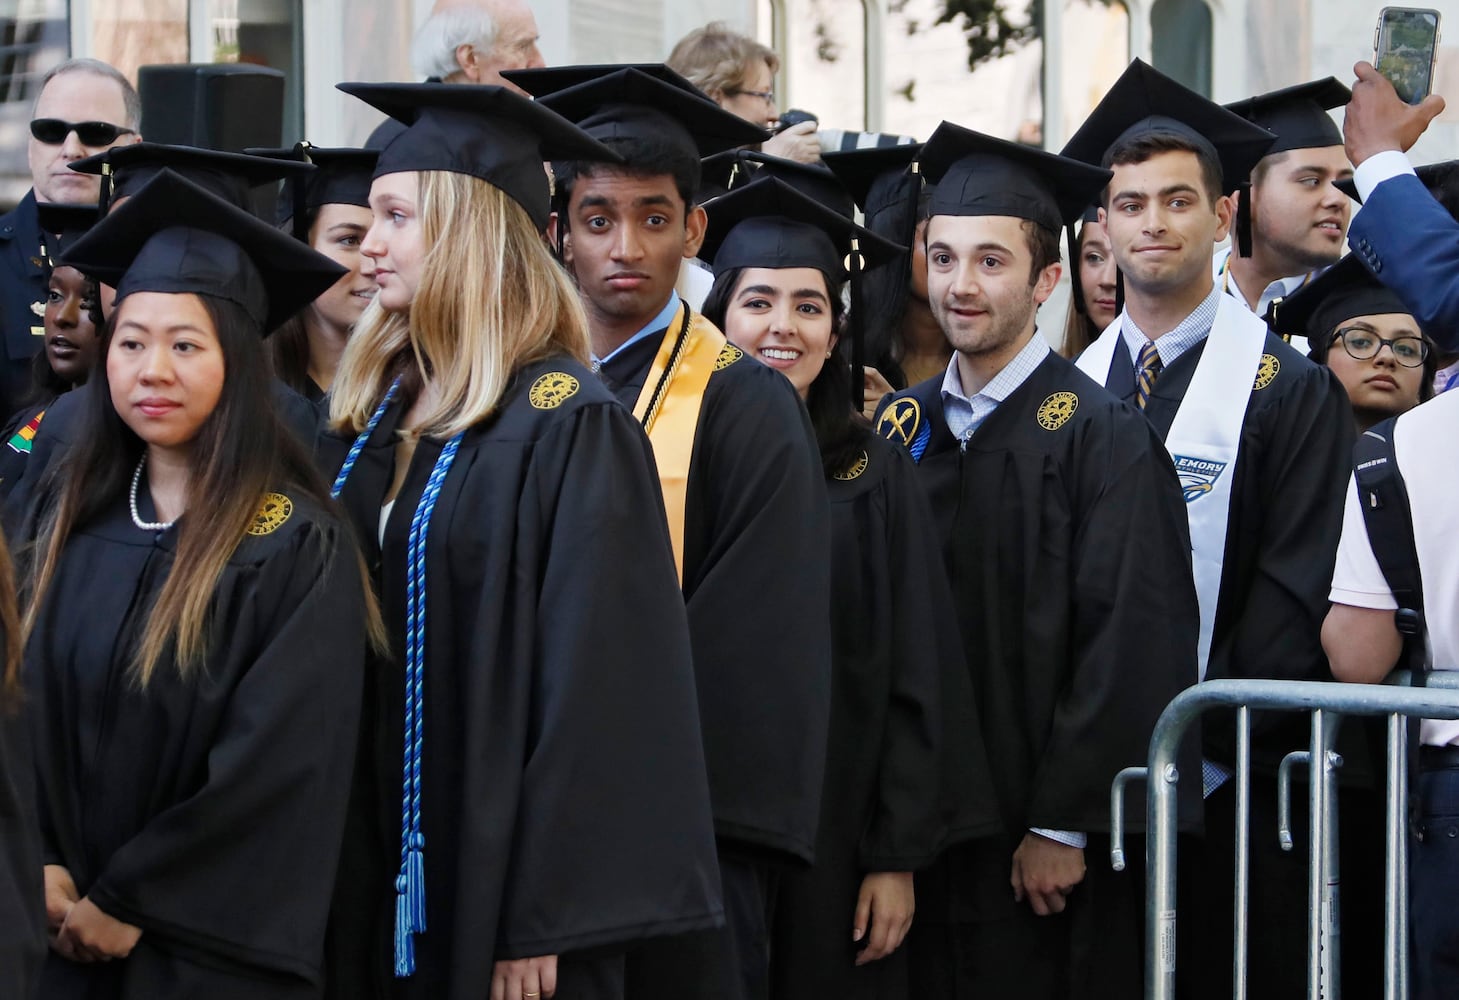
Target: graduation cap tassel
1243, 221
299, 211
858, 377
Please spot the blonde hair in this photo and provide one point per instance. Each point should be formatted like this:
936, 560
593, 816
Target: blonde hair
717, 60
491, 299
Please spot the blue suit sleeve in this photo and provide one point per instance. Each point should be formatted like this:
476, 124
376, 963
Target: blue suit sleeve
1411, 244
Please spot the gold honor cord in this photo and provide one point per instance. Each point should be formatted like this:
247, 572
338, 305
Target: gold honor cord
668, 407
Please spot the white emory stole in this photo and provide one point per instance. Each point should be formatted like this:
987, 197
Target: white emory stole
1205, 437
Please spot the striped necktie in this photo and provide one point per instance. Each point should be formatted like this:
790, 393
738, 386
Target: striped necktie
1147, 370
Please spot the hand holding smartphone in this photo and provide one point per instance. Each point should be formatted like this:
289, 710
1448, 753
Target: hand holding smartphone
1404, 48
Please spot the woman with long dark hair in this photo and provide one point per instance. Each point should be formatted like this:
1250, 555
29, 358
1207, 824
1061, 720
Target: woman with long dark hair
1092, 293
902, 781
329, 210
194, 733
534, 785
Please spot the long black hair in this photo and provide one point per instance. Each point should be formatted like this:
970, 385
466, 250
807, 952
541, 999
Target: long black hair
894, 206
241, 452
840, 428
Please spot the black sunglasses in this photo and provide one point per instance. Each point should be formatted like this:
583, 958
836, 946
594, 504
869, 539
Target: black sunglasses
53, 131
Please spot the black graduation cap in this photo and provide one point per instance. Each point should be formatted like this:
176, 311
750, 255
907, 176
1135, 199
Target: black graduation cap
628, 102
1343, 291
770, 224
977, 174
341, 176
1441, 179
735, 168
175, 236
62, 225
544, 80
124, 169
484, 131
1144, 99
1297, 115
861, 169
1299, 119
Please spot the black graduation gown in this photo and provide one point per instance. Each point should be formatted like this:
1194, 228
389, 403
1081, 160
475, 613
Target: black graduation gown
564, 800
22, 908
906, 772
207, 811
1289, 482
1066, 539
756, 584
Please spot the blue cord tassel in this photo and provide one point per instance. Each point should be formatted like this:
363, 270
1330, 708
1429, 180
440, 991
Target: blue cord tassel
415, 882
404, 939
410, 885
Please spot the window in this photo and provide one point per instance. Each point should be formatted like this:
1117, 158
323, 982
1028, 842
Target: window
33, 38
1180, 42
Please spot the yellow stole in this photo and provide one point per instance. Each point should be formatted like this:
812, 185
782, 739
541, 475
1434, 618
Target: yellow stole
670, 412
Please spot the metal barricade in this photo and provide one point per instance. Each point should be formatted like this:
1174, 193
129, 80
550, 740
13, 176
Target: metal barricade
1327, 702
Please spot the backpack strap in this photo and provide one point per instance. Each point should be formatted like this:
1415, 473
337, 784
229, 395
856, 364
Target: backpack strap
1389, 520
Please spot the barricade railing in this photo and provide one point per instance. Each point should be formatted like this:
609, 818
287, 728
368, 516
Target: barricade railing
1326, 703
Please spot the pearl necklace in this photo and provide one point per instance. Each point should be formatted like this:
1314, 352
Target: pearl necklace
137, 518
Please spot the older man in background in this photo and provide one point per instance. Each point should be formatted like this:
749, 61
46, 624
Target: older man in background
84, 107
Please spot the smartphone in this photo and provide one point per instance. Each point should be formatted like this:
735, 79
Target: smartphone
1404, 47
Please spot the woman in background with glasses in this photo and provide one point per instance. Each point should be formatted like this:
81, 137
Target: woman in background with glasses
738, 73
1360, 329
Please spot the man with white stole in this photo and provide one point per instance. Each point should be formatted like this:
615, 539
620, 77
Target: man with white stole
1290, 220
1261, 438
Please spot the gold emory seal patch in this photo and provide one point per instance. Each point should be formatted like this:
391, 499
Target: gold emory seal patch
899, 421
1055, 411
728, 355
1266, 372
552, 390
855, 470
271, 516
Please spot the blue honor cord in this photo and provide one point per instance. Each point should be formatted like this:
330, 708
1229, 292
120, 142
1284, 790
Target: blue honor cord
410, 883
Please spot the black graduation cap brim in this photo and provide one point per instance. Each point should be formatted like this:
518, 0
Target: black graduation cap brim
63, 224
341, 176
859, 169
630, 103
770, 224
173, 236
737, 167
484, 131
1441, 180
1297, 115
1342, 292
228, 175
978, 174
545, 80
1144, 99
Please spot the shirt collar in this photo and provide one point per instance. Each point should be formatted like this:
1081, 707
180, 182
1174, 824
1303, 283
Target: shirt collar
1187, 333
1002, 385
1278, 289
659, 322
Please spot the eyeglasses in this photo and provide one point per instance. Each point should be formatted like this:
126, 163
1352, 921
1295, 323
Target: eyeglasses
1363, 345
768, 96
53, 131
